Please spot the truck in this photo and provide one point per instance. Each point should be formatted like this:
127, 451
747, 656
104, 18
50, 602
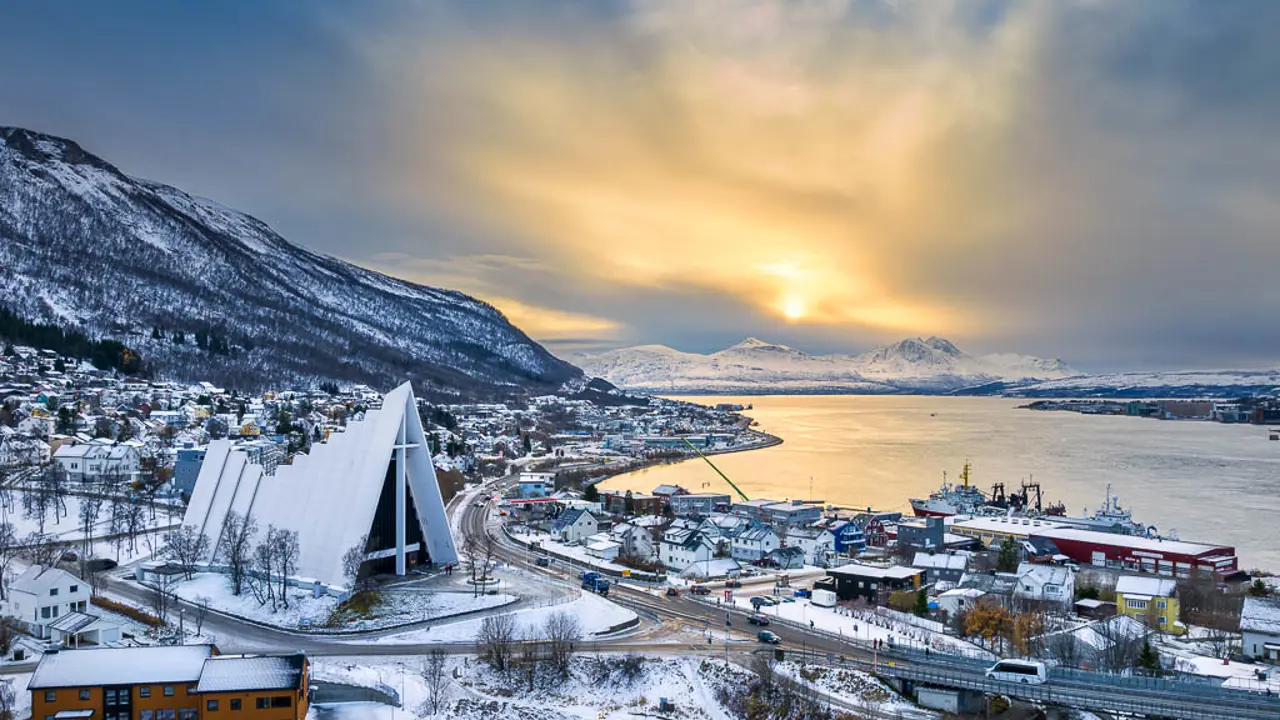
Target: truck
597, 584
823, 598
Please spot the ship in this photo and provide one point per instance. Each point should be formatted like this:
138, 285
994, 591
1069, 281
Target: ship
965, 499
951, 499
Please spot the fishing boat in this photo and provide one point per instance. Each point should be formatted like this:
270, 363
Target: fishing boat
951, 499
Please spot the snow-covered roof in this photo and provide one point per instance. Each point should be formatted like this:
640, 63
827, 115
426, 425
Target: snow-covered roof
1145, 585
1261, 615
237, 673
121, 666
936, 561
74, 622
896, 572
1177, 547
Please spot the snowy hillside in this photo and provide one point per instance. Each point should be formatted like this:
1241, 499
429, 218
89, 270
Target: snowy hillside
755, 366
83, 245
1184, 384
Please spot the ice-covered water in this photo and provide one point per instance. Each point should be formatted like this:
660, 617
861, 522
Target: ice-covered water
1206, 481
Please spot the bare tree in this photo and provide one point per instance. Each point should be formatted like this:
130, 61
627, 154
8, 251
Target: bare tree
236, 548
185, 547
8, 548
436, 679
287, 552
530, 660
36, 504
40, 549
162, 596
90, 510
352, 560
562, 632
261, 581
496, 638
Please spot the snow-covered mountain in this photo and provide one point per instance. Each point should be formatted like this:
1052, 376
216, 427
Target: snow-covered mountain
83, 245
755, 366
1173, 384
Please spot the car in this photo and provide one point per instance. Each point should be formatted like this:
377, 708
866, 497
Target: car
788, 599
802, 592
758, 619
673, 592
700, 590
544, 561
768, 637
750, 571
759, 601
733, 583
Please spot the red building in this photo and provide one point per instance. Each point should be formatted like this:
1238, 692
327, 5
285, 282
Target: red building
1141, 554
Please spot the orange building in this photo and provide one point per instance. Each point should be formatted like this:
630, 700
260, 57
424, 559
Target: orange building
184, 682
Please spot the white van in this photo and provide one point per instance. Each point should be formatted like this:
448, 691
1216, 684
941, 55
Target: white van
1027, 672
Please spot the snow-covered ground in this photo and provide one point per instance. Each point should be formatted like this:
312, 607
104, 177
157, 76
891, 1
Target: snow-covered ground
577, 553
398, 607
594, 614
843, 622
66, 525
852, 688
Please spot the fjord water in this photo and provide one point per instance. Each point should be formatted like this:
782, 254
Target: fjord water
1207, 481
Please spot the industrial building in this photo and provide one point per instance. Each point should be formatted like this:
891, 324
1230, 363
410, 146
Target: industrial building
1141, 554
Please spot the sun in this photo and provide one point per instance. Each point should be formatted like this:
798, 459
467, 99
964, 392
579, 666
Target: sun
793, 309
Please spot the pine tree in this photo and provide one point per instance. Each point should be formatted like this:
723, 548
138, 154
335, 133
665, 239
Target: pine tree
1149, 658
590, 493
922, 604
1007, 559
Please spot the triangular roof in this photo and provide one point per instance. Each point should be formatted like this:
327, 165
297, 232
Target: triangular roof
328, 496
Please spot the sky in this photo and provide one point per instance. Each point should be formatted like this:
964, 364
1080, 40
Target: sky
1084, 179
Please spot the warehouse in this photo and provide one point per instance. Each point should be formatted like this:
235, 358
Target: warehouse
1141, 554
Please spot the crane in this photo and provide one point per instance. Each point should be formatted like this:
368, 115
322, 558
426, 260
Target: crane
713, 467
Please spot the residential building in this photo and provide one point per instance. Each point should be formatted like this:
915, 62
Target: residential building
1260, 628
536, 484
633, 540
781, 514
602, 546
667, 491
181, 682
574, 525
958, 600
923, 534
1150, 600
1045, 584
786, 558
89, 462
753, 544
40, 596
186, 468
869, 582
629, 503
677, 552
818, 544
76, 629
941, 567
848, 536
698, 503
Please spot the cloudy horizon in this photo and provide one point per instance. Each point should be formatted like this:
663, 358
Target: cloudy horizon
1090, 180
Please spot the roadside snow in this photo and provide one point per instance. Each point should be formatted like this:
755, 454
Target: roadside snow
594, 614
853, 688
399, 607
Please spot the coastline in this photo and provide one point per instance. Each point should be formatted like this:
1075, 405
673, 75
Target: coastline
767, 441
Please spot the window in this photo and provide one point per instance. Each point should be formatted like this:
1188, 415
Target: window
188, 714
144, 691
111, 697
1164, 620
211, 705
55, 611
168, 691
84, 694
281, 701
1160, 604
263, 703
50, 695
235, 703
73, 589
191, 689
53, 591
166, 715
44, 613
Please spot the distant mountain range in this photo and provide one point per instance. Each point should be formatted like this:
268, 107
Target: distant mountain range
205, 292
914, 365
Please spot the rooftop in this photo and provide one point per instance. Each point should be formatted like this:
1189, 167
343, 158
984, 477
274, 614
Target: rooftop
1178, 547
237, 673
896, 572
121, 666
1145, 585
1261, 614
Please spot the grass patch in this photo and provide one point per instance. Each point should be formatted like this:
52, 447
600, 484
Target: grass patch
359, 606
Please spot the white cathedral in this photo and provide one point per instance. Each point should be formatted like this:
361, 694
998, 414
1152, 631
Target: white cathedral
375, 480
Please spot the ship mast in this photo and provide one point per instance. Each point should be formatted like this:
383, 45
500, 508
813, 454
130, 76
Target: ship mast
964, 474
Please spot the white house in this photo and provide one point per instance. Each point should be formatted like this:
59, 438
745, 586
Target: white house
40, 596
754, 543
679, 551
574, 525
818, 544
601, 546
95, 463
634, 540
1260, 628
958, 600
1045, 583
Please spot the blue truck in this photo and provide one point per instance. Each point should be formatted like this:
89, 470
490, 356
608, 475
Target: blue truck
596, 584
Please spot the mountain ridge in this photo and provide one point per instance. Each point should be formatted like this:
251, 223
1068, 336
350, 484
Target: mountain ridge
84, 244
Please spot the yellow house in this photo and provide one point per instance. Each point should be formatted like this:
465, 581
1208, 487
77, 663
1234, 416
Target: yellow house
250, 429
1150, 600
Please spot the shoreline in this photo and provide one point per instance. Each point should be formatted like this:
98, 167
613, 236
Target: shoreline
769, 440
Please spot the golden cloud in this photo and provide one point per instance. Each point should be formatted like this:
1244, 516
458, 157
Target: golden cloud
776, 152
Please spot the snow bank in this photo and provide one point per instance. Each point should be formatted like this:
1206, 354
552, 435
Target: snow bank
594, 614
